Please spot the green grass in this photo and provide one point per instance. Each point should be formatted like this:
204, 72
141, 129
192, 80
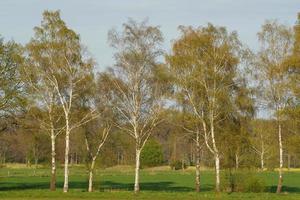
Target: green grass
24, 183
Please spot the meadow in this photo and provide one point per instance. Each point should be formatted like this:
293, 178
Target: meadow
20, 182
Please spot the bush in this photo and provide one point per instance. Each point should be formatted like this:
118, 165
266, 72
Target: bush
242, 181
177, 164
255, 184
152, 154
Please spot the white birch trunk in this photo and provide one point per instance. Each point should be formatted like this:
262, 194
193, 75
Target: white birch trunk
197, 164
137, 171
217, 163
279, 186
91, 173
262, 163
236, 161
216, 153
53, 162
66, 169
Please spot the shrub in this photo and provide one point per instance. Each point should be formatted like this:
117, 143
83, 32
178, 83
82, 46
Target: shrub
242, 181
152, 154
255, 184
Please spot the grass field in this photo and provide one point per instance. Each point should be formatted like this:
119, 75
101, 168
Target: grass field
117, 183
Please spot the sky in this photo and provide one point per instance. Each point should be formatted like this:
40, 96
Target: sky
92, 19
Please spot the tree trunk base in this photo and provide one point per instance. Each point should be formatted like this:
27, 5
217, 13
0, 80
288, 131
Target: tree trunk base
279, 186
53, 182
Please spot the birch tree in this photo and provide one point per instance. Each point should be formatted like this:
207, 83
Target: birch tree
276, 44
135, 93
204, 63
261, 140
96, 132
43, 96
193, 129
68, 71
186, 121
95, 137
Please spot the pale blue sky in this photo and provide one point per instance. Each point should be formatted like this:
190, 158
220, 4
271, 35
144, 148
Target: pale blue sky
93, 18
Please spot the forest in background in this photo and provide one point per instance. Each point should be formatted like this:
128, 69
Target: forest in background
194, 106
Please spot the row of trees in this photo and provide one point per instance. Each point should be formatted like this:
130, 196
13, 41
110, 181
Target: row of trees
207, 91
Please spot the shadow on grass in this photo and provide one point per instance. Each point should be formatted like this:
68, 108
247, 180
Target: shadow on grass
166, 186
273, 188
103, 186
149, 186
7, 186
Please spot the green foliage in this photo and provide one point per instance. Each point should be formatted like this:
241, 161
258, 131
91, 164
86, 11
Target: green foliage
255, 184
12, 98
242, 181
152, 154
